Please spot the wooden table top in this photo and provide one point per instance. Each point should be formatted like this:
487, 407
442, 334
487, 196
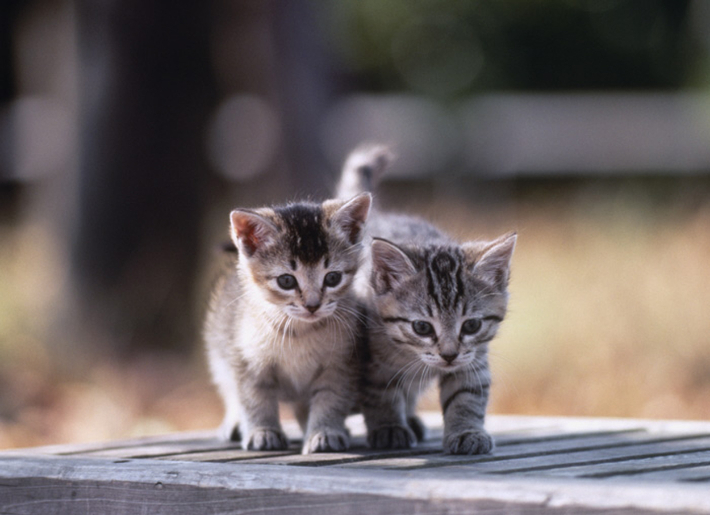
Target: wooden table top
540, 465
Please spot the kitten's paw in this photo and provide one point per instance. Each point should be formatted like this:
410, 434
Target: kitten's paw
475, 441
417, 427
327, 440
392, 437
264, 439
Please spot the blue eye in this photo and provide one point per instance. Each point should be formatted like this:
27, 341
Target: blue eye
471, 326
286, 282
332, 279
422, 328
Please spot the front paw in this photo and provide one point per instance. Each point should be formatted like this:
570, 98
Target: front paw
475, 441
265, 439
327, 440
392, 437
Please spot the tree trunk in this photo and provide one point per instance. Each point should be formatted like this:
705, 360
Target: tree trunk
145, 91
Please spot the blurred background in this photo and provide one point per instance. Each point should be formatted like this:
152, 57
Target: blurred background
130, 128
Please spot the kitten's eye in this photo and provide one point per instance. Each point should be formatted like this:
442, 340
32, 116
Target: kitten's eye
471, 326
422, 328
286, 282
332, 279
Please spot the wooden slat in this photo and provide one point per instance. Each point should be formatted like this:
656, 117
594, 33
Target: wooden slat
558, 461
435, 487
572, 465
665, 463
227, 456
164, 449
88, 447
517, 449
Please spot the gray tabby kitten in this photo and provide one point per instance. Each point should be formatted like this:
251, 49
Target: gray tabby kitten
433, 306
282, 323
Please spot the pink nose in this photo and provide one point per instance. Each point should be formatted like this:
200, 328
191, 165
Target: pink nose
312, 307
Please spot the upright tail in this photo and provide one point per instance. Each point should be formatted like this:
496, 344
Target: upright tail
363, 169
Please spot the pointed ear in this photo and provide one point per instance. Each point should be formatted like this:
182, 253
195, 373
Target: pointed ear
491, 260
251, 231
351, 216
390, 266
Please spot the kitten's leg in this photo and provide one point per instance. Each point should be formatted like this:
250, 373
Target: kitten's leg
260, 426
463, 400
224, 378
332, 397
413, 421
383, 406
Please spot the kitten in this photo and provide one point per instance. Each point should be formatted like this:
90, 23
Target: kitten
433, 306
282, 322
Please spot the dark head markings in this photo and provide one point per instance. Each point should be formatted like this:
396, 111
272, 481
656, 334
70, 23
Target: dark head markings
444, 281
304, 236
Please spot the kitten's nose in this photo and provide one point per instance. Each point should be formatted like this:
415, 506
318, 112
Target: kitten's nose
449, 357
312, 307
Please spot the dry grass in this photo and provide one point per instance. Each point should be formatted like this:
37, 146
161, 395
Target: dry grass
609, 317
609, 309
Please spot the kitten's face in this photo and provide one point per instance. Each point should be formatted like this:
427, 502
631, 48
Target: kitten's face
442, 304
302, 257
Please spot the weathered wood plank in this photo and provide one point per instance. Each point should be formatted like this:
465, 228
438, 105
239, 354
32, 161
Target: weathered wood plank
517, 449
229, 455
617, 452
700, 474
664, 463
119, 498
540, 464
87, 447
435, 486
163, 449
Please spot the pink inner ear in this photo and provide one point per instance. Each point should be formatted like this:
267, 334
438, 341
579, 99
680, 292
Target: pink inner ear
250, 231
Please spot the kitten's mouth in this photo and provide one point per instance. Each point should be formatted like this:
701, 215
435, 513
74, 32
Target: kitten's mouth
310, 317
450, 367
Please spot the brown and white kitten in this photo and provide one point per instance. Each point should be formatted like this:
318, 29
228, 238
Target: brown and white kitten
433, 307
283, 320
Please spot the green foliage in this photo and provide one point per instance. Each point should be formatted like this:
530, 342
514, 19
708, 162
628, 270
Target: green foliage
449, 48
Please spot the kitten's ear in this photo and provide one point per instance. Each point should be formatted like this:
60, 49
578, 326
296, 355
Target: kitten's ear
251, 231
350, 217
390, 266
491, 260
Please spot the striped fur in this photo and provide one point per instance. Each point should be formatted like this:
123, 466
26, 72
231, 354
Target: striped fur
434, 305
270, 339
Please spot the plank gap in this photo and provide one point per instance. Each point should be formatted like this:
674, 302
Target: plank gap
636, 472
618, 459
550, 452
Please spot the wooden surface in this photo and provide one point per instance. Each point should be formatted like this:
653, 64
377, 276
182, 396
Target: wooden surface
540, 465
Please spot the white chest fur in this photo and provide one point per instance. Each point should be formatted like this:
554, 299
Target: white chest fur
295, 352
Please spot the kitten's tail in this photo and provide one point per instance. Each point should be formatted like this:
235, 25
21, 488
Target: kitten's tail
363, 169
